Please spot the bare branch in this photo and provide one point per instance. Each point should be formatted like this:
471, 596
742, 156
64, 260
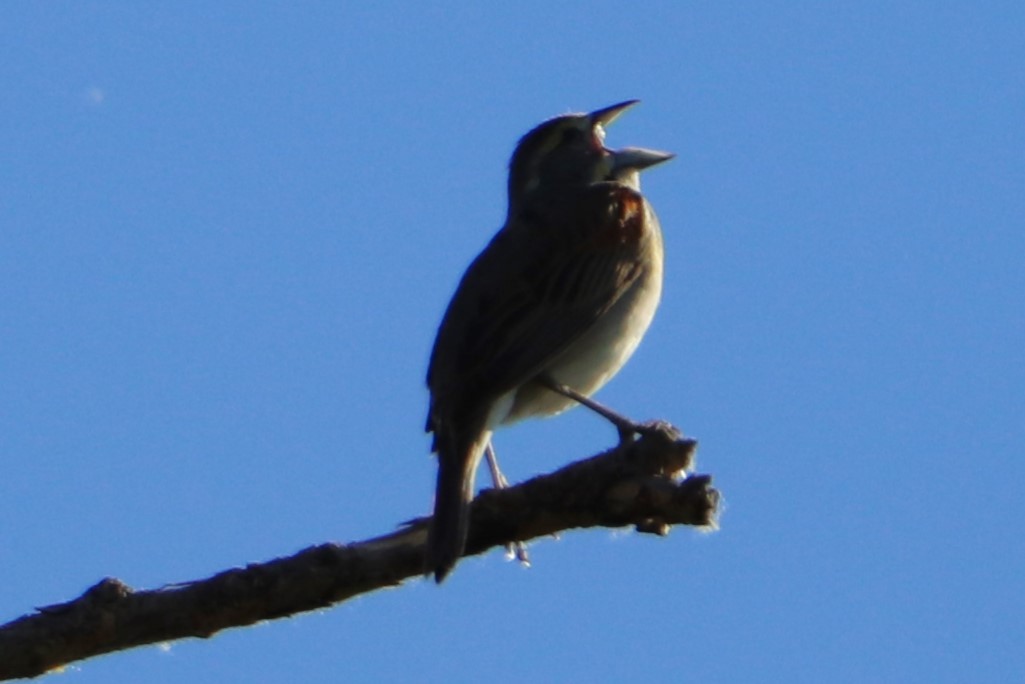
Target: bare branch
638, 485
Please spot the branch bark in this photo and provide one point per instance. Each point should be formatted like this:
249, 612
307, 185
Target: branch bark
639, 485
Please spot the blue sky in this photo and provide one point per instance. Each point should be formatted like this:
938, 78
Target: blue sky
227, 235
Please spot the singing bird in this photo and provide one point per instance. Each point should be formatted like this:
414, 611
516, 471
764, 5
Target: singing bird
549, 311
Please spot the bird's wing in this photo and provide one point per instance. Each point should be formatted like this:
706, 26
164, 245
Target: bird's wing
539, 286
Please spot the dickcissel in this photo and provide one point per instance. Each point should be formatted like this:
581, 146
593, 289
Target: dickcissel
551, 309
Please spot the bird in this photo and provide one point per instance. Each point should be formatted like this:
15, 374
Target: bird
549, 311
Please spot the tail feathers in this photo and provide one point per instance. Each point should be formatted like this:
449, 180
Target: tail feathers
457, 468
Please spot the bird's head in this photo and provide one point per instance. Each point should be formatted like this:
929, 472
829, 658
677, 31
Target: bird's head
569, 151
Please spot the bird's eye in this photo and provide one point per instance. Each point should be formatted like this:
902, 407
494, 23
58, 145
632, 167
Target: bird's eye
571, 135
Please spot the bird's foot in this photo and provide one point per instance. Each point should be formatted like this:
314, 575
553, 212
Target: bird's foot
628, 429
649, 428
517, 550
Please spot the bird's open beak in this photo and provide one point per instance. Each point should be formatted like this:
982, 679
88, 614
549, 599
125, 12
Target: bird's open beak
603, 117
628, 160
636, 159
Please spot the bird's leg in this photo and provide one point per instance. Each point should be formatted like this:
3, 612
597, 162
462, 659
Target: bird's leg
515, 549
498, 479
626, 427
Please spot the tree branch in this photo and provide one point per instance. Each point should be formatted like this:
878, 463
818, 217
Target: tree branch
635, 485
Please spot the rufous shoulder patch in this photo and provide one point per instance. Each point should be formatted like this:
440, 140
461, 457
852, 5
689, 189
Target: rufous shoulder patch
622, 222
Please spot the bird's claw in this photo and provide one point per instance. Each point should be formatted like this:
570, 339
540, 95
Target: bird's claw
629, 430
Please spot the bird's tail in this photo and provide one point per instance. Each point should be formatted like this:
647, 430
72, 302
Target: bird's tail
457, 466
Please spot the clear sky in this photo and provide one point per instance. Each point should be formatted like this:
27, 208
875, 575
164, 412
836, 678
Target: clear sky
228, 232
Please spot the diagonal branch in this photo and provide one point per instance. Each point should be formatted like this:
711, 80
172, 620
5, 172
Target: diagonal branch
635, 485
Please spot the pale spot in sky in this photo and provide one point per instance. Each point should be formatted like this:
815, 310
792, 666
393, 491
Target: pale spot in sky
94, 96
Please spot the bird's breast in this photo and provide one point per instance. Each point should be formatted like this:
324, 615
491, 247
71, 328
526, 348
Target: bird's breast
594, 358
